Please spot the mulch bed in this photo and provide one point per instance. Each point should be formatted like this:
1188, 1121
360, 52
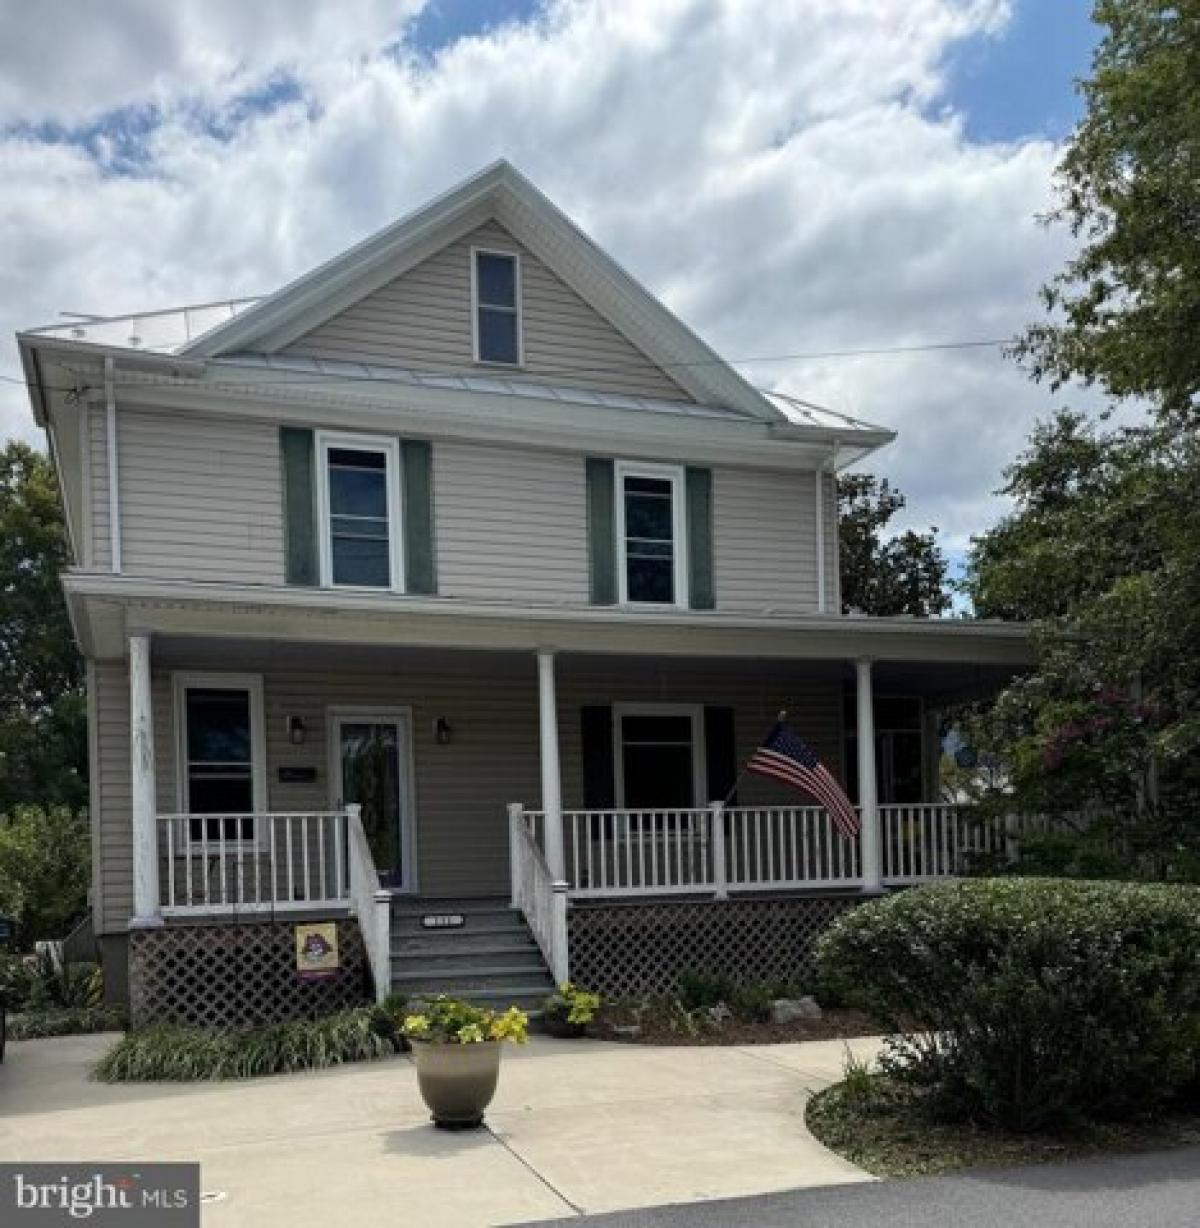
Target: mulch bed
889, 1135
834, 1024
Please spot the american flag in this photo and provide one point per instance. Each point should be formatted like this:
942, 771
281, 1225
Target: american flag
785, 757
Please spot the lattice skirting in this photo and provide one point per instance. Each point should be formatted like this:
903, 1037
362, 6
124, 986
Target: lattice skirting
236, 976
621, 949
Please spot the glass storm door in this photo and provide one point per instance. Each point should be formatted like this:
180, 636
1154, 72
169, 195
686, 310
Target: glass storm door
372, 770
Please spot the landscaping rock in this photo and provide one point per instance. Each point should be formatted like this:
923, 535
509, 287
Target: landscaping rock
793, 1010
719, 1014
631, 1030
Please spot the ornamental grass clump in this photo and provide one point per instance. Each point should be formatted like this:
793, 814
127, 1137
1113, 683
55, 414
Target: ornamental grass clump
181, 1054
451, 1021
1030, 1003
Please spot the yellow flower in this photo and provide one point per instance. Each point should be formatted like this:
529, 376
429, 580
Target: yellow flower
416, 1025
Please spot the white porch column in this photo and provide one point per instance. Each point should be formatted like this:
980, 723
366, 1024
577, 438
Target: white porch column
872, 862
551, 773
141, 749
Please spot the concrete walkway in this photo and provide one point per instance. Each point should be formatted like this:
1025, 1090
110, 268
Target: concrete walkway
577, 1127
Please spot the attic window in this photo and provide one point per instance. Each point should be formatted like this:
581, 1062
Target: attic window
496, 295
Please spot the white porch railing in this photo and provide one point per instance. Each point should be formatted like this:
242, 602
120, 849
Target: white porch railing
224, 863
234, 864
714, 850
534, 891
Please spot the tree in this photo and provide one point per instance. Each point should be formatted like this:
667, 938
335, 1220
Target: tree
43, 741
900, 574
1126, 310
45, 854
1102, 549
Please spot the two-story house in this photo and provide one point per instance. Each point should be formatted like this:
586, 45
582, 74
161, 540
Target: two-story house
443, 593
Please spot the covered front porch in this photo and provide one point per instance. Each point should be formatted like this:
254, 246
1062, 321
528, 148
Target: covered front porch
339, 778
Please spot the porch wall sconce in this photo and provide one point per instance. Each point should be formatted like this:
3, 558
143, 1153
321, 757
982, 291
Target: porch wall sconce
296, 731
442, 732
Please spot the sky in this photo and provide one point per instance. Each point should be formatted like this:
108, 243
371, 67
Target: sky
795, 178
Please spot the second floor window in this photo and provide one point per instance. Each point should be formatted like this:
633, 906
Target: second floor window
651, 564
360, 511
497, 305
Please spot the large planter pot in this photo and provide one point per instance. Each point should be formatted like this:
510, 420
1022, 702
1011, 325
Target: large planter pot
457, 1082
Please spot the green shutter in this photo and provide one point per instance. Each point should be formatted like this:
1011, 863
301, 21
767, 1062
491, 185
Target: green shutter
701, 594
299, 506
420, 566
602, 531
720, 754
599, 775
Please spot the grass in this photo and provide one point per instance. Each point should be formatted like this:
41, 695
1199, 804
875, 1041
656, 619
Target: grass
177, 1054
886, 1129
64, 1021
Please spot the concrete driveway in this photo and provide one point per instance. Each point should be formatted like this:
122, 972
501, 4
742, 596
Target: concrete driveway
577, 1127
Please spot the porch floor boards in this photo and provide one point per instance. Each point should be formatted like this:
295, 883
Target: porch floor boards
491, 958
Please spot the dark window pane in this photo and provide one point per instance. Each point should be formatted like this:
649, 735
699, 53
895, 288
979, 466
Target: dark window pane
648, 516
496, 279
358, 526
648, 486
220, 795
357, 492
361, 560
650, 580
658, 777
497, 336
218, 726
657, 729
354, 458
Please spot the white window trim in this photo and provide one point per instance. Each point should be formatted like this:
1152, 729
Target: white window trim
675, 475
390, 447
181, 683
694, 712
515, 257
402, 716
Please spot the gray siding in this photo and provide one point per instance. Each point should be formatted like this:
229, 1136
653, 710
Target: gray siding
201, 498
510, 524
423, 319
114, 843
98, 463
764, 541
461, 789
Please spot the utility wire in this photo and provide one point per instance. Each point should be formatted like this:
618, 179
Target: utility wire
301, 378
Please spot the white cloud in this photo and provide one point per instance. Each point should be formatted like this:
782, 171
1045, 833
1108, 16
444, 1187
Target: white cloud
787, 176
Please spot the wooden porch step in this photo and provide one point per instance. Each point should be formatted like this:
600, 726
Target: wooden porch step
467, 963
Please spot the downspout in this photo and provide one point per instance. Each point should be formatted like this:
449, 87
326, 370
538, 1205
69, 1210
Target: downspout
110, 439
819, 487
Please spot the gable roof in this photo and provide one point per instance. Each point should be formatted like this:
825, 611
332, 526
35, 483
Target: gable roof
501, 192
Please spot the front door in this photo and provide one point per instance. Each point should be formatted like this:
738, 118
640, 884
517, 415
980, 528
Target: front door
371, 765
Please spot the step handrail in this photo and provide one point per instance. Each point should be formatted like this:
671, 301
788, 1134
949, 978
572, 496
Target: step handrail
541, 899
371, 905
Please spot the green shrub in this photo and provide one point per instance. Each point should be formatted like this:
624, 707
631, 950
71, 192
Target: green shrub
699, 989
38, 982
184, 1054
45, 867
65, 1021
1028, 1001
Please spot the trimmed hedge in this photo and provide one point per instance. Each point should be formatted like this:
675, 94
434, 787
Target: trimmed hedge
177, 1054
1029, 1002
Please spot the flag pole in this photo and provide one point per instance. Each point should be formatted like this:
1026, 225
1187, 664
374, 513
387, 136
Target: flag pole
779, 719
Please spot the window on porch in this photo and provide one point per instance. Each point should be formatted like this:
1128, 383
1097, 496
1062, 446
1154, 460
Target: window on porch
219, 757
899, 749
659, 757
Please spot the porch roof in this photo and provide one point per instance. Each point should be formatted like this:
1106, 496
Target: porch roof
105, 609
